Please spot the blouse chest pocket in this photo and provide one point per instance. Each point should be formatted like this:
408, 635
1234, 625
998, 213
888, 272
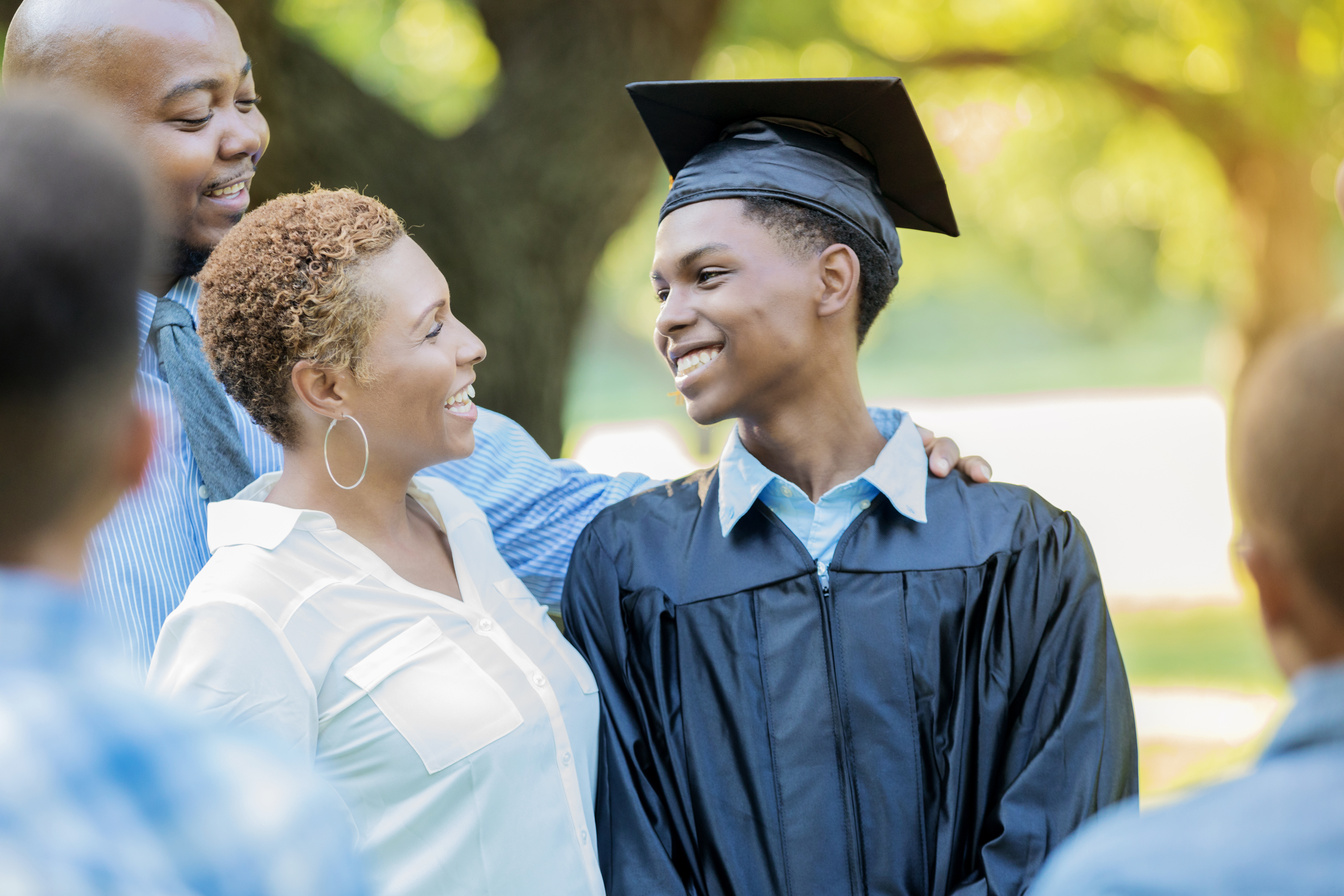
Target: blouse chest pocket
527, 606
435, 695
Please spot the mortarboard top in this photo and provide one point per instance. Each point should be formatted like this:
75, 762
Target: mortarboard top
853, 147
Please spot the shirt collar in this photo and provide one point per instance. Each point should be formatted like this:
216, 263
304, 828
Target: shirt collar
246, 518
186, 292
899, 472
1317, 715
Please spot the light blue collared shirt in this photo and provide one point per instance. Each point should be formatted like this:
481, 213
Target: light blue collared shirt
899, 473
145, 554
105, 790
1279, 829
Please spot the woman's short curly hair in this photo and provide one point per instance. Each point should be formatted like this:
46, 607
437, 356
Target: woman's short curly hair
280, 287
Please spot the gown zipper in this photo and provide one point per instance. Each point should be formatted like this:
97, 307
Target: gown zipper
850, 784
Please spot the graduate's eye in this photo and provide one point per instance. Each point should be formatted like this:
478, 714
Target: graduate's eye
708, 275
661, 295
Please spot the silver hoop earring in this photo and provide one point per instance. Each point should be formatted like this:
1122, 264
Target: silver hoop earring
327, 460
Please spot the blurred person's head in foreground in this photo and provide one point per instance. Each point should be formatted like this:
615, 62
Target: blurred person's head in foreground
174, 75
73, 245
1287, 478
317, 308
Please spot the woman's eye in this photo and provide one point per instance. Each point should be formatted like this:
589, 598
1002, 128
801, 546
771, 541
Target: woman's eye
195, 122
435, 330
249, 104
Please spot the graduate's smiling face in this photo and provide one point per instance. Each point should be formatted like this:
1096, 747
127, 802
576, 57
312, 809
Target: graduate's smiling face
737, 319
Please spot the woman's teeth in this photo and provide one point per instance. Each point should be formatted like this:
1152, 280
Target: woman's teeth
689, 363
230, 190
461, 399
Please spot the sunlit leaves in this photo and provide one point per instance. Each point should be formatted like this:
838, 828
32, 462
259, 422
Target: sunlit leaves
910, 30
430, 58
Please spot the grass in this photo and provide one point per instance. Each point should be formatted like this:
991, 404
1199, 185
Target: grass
1216, 646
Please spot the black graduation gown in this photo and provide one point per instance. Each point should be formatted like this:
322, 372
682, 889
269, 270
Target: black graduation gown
936, 721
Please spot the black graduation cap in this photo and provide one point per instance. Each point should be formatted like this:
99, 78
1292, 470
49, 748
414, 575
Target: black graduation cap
852, 147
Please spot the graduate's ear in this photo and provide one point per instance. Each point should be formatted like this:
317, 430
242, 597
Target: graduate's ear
839, 269
321, 390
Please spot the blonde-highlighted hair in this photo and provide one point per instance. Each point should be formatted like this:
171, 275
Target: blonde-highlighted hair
282, 286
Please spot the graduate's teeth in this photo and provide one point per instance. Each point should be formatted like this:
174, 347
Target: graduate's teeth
231, 190
695, 360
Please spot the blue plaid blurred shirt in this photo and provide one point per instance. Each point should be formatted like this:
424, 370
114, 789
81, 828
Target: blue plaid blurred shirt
105, 791
153, 544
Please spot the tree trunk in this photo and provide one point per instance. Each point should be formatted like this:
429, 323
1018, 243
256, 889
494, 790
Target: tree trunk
516, 211
1283, 226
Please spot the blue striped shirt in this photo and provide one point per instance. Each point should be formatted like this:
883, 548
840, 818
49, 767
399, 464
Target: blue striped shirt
149, 549
103, 790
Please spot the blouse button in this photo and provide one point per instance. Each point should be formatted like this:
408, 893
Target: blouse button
538, 680
485, 625
583, 837
566, 759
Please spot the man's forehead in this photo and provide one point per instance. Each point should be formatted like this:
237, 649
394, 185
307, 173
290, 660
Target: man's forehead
156, 35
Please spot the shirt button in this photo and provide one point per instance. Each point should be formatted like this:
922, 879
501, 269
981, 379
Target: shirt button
485, 625
203, 491
864, 505
786, 492
538, 680
566, 759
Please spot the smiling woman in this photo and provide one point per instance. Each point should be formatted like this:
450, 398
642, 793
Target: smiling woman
374, 626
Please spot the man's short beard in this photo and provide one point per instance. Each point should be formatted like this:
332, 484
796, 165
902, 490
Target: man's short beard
187, 260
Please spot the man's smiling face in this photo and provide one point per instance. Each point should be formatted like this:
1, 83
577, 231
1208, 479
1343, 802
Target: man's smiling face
185, 87
177, 78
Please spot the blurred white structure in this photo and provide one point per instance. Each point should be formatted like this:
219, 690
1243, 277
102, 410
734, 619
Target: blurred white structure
1145, 472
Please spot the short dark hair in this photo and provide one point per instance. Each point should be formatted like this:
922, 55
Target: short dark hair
73, 245
809, 230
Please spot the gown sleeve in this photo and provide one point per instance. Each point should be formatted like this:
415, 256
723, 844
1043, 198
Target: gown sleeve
1070, 747
633, 817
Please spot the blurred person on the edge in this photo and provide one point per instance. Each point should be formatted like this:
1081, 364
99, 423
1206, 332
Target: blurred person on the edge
1280, 828
102, 789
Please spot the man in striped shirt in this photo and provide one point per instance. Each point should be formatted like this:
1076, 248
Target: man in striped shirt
175, 73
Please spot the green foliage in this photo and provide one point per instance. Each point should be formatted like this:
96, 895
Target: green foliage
1086, 143
429, 58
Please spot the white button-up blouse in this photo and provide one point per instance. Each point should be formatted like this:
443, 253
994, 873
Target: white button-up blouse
462, 735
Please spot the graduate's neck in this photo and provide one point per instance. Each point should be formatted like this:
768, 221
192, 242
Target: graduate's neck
818, 442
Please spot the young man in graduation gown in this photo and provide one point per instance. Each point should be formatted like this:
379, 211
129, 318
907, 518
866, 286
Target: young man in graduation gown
822, 670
